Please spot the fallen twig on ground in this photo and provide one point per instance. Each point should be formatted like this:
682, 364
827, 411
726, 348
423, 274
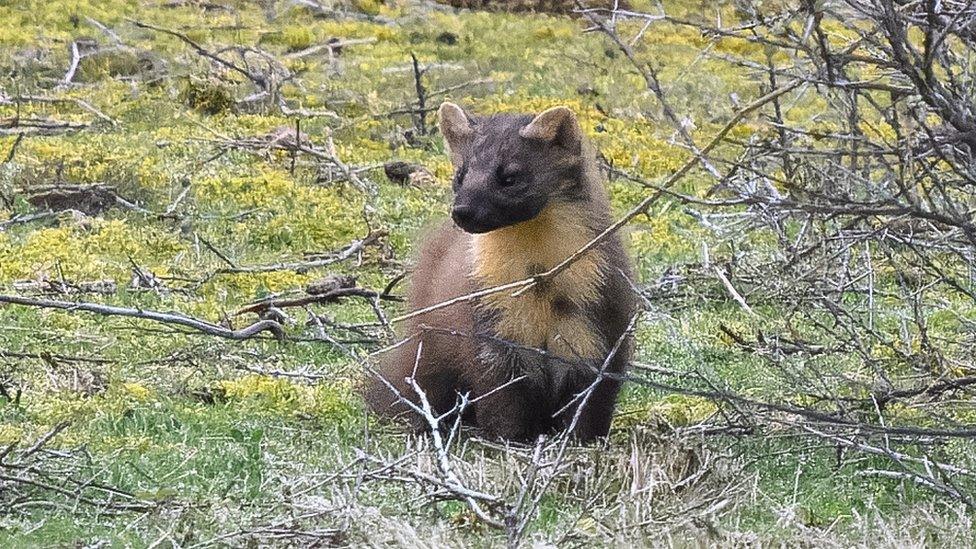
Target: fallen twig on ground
350, 250
165, 318
332, 47
60, 286
27, 473
328, 297
259, 79
73, 66
28, 218
91, 199
80, 103
38, 126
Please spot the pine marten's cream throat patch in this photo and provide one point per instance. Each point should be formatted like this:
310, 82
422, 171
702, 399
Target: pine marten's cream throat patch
548, 316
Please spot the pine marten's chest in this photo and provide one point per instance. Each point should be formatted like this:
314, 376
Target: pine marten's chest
553, 315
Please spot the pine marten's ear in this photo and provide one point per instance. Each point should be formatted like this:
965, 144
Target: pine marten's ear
557, 125
456, 129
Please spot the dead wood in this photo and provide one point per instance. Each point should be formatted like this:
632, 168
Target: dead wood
88, 199
177, 319
350, 250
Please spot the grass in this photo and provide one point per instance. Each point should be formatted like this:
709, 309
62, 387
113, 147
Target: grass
191, 422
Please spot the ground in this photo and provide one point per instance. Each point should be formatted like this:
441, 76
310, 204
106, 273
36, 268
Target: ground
228, 441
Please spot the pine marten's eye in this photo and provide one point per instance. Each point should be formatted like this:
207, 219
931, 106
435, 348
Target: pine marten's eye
506, 178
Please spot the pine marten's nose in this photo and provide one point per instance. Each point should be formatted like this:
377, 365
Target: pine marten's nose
463, 215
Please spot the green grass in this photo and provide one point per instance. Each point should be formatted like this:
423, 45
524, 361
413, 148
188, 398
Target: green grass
186, 421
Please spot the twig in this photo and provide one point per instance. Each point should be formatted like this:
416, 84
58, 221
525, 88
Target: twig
350, 250
166, 318
257, 78
331, 46
418, 79
75, 59
328, 297
443, 461
105, 30
81, 103
38, 126
13, 148
179, 198
43, 440
27, 218
733, 292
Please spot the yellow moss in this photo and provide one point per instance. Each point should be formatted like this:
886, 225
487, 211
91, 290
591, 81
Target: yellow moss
647, 156
550, 32
101, 252
363, 149
131, 443
657, 235
524, 103
740, 47
442, 169
675, 36
97, 158
371, 7
933, 120
65, 322
878, 131
674, 410
259, 123
137, 391
24, 23
56, 408
71, 406
9, 434
281, 396
43, 249
251, 286
302, 217
358, 29
297, 37
260, 190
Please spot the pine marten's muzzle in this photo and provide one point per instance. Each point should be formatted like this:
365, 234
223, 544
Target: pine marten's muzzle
468, 218
482, 216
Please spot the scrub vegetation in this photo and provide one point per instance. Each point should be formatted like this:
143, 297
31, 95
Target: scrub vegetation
234, 190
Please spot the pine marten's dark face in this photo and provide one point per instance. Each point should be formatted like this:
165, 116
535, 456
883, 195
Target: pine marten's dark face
507, 168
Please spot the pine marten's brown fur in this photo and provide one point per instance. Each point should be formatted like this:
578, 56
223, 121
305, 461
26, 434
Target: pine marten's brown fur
527, 195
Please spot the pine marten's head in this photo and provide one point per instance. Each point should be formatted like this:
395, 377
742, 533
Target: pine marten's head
508, 168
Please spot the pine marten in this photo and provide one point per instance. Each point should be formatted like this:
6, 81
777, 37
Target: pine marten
527, 195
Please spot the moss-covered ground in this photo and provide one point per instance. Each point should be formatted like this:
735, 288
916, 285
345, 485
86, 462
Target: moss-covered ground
234, 439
